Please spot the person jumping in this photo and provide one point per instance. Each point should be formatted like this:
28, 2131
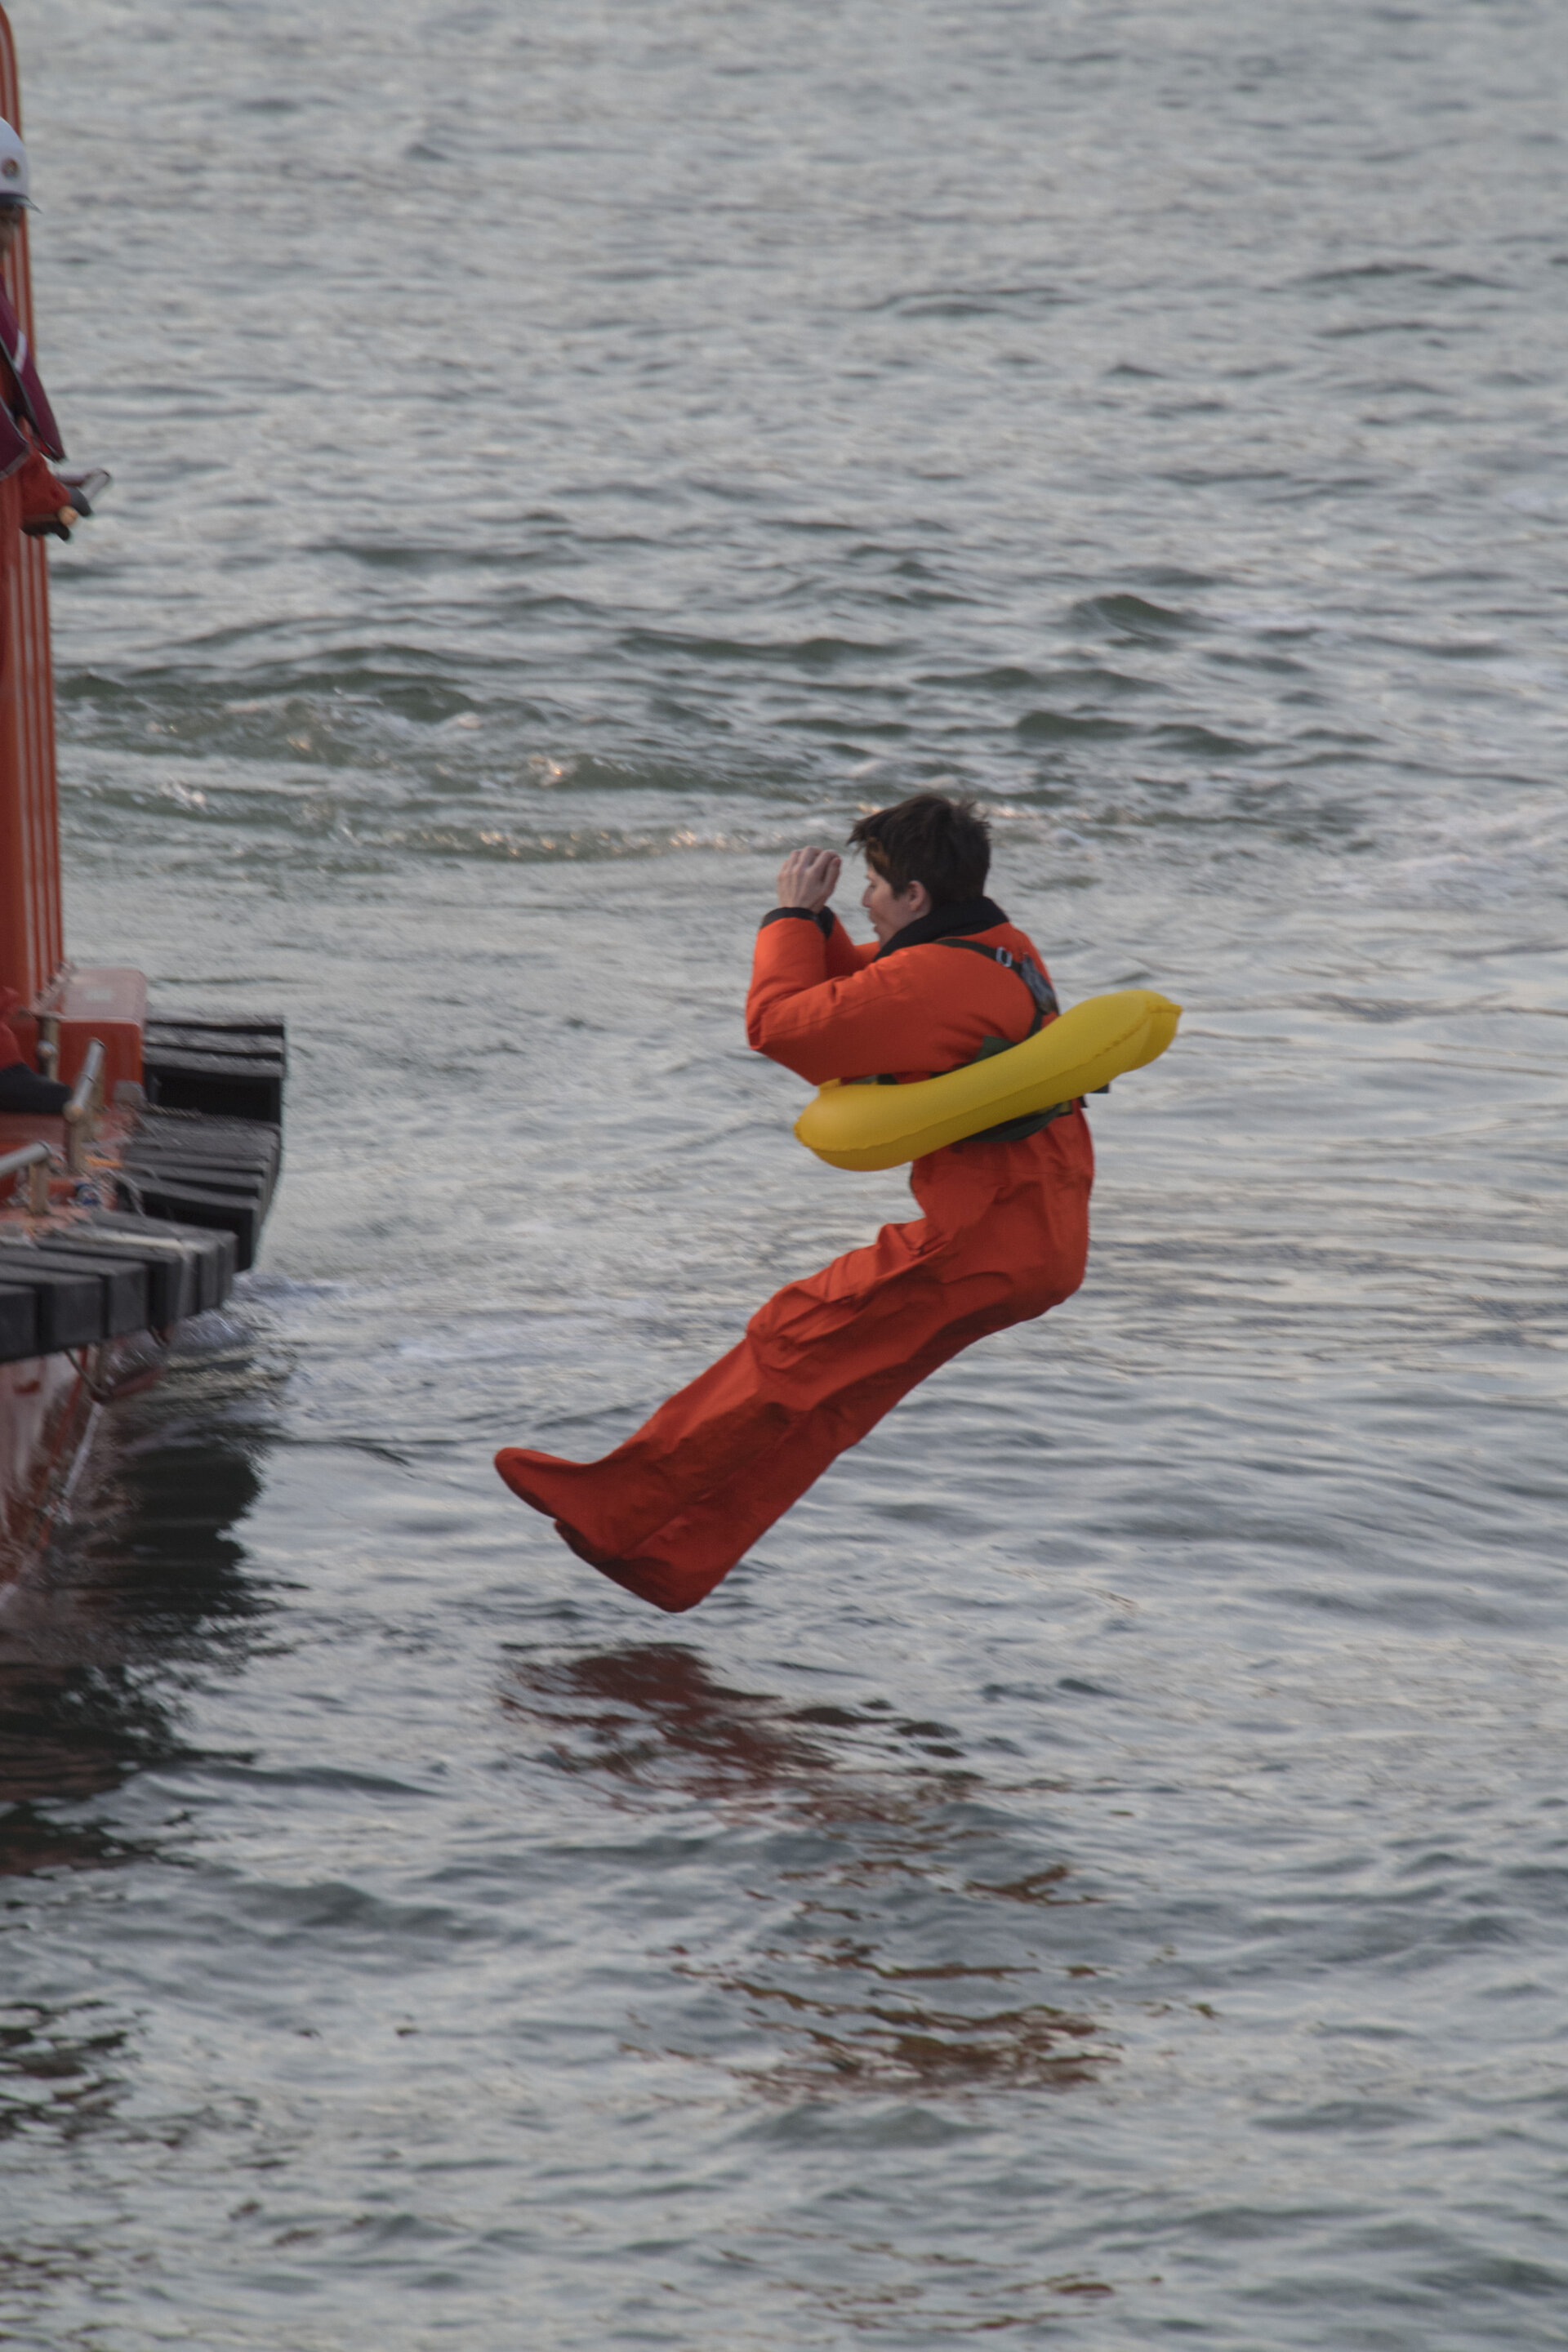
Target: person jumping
1002, 1237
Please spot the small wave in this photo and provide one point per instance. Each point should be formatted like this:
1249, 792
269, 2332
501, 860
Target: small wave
1053, 726
1128, 616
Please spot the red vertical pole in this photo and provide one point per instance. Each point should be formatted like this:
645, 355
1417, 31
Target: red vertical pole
32, 934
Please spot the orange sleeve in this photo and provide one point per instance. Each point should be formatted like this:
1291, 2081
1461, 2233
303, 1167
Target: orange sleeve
866, 1021
919, 1012
790, 956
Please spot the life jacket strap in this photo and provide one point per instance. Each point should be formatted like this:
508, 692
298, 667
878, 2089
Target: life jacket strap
1028, 972
1014, 1130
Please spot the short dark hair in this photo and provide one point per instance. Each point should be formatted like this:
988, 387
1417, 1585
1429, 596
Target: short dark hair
944, 844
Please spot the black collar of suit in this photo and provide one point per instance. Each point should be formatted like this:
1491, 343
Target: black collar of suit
945, 923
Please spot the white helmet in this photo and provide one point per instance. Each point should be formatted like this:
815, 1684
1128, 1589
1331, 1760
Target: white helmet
12, 169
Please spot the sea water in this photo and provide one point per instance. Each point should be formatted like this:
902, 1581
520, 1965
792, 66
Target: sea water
1098, 1874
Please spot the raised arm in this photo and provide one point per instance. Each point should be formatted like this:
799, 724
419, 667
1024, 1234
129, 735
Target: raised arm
853, 1023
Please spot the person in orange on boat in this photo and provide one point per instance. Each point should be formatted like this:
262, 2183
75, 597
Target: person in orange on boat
1003, 1233
31, 499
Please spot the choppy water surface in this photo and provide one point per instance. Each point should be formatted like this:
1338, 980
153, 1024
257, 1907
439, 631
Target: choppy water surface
1098, 1875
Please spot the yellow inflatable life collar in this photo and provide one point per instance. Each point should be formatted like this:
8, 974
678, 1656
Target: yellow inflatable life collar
853, 1126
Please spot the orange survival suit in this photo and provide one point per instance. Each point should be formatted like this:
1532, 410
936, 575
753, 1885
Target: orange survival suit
29, 497
29, 494
1004, 1235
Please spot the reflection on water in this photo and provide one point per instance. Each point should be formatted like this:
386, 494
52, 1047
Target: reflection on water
59, 2069
653, 1717
829, 2048
650, 1714
653, 1722
147, 1572
71, 1732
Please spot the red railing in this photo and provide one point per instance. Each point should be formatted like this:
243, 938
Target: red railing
32, 941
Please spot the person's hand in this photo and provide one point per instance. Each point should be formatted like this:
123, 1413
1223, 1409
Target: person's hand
808, 877
55, 526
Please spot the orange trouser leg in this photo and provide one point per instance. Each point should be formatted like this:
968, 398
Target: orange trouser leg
671, 1510
681, 1562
